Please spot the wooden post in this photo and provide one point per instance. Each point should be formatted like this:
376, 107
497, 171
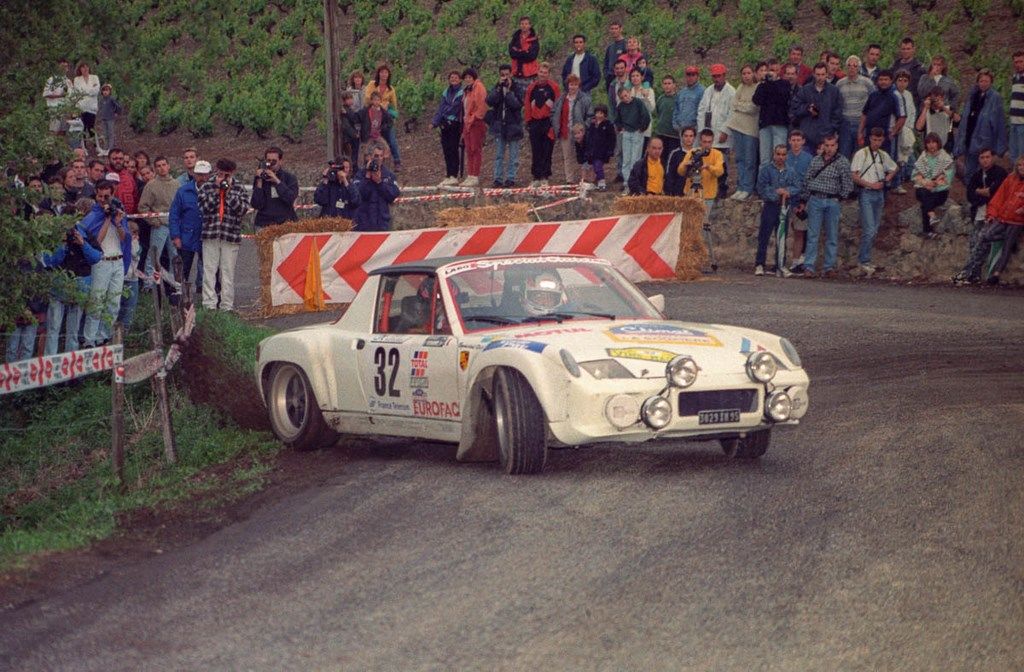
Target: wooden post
160, 380
117, 415
335, 138
158, 290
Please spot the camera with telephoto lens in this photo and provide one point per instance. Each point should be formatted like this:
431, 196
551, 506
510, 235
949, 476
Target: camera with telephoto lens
374, 166
693, 171
224, 185
110, 210
332, 172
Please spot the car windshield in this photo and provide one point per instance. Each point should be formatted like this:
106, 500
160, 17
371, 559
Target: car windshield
489, 294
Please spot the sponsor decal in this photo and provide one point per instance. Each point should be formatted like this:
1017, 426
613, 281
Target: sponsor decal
436, 342
516, 344
746, 348
643, 354
388, 338
558, 331
668, 334
435, 409
514, 261
383, 404
464, 359
419, 382
419, 392
419, 363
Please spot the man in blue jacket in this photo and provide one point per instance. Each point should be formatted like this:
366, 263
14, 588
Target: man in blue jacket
687, 100
108, 225
185, 221
817, 108
377, 190
982, 123
583, 64
76, 256
336, 194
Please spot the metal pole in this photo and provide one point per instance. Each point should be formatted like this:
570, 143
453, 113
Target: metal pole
160, 380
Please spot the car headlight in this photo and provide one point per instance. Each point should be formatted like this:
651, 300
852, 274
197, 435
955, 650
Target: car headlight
622, 411
681, 371
570, 363
761, 366
779, 405
791, 352
656, 412
606, 368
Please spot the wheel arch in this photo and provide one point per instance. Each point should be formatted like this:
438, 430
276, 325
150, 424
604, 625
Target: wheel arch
311, 357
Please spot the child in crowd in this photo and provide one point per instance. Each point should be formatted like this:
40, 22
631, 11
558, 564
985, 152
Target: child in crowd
600, 143
579, 139
109, 111
903, 143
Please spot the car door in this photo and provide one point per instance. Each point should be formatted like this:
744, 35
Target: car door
409, 364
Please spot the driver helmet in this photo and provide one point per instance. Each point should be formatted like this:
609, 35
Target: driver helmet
543, 293
426, 289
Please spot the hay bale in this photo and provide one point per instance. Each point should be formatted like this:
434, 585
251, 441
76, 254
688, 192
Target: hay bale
509, 213
693, 253
265, 249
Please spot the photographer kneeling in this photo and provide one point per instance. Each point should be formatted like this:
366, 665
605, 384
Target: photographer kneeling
336, 194
377, 189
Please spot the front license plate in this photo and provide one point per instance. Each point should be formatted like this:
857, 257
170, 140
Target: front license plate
718, 417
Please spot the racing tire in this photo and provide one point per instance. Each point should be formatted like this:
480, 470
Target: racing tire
518, 424
750, 447
294, 411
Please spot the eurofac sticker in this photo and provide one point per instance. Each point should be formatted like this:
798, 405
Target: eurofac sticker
668, 334
435, 409
436, 342
643, 354
516, 344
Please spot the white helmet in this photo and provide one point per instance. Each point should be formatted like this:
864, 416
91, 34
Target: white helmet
543, 293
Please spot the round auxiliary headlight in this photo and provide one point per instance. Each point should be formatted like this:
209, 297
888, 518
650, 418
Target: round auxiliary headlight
656, 412
622, 411
779, 406
761, 366
681, 371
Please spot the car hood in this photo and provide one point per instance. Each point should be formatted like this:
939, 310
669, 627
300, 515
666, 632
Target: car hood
642, 346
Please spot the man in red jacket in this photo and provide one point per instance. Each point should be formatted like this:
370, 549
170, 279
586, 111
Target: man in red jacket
1003, 223
125, 190
524, 49
537, 109
473, 127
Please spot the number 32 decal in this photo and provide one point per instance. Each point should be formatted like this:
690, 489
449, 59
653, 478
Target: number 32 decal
383, 382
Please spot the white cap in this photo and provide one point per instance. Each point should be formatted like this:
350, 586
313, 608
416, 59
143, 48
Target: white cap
112, 177
203, 168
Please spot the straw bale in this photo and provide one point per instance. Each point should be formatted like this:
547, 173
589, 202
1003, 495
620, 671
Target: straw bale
265, 249
507, 213
693, 252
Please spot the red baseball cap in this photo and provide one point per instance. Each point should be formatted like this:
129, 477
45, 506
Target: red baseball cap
717, 69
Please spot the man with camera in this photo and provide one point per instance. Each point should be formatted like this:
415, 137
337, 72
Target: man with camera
336, 194
273, 191
377, 189
222, 204
817, 108
107, 224
701, 167
506, 124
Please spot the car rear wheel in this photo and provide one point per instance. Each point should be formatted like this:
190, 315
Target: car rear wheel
750, 447
294, 412
519, 424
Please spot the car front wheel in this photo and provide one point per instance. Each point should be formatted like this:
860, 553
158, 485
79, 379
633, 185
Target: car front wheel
294, 412
519, 424
750, 447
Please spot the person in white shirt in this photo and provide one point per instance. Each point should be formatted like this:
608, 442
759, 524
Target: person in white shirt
87, 89
713, 112
55, 92
872, 169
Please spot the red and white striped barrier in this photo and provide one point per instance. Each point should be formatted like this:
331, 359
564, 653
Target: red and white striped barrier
43, 371
644, 247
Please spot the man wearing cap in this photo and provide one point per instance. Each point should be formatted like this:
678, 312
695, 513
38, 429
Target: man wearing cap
157, 196
185, 221
687, 101
222, 202
713, 112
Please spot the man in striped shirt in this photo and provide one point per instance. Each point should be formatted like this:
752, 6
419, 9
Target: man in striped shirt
828, 181
1017, 108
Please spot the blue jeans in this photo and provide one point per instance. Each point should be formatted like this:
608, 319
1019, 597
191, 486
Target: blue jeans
745, 147
187, 258
848, 137
1016, 142
512, 147
871, 203
159, 239
393, 144
768, 137
70, 312
126, 315
822, 211
22, 343
104, 300
632, 150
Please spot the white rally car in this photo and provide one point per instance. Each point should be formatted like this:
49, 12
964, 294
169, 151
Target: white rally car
510, 355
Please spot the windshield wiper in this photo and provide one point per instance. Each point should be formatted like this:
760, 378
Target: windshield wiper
562, 315
492, 319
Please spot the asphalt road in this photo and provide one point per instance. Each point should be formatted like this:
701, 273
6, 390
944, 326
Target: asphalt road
886, 532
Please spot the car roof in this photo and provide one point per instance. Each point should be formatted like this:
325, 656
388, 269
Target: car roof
432, 265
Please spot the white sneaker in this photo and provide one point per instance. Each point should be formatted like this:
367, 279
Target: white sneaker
740, 196
471, 181
867, 269
534, 184
602, 185
786, 273
449, 182
759, 270
543, 183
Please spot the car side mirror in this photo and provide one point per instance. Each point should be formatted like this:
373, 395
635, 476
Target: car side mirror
658, 301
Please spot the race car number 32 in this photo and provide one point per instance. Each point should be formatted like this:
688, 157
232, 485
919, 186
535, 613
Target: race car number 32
383, 380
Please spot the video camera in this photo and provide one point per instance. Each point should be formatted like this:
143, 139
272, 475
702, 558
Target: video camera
694, 170
332, 171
